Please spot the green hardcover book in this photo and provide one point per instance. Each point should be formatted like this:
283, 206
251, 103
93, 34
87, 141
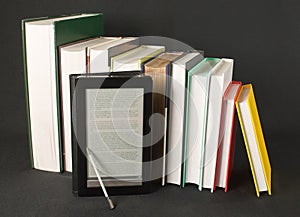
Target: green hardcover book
41, 37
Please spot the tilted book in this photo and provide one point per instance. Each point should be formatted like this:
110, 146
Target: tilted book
227, 136
254, 139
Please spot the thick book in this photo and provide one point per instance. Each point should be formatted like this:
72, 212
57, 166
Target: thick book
132, 60
177, 94
74, 59
111, 115
160, 69
227, 136
254, 139
198, 82
41, 37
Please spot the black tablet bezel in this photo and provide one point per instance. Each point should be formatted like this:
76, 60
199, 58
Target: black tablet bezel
78, 90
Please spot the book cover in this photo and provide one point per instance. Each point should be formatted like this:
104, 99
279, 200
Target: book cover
247, 95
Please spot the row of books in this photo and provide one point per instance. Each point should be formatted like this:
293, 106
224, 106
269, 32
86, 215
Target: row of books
196, 97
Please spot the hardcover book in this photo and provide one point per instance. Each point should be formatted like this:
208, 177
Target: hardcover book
160, 71
198, 84
74, 60
41, 37
177, 96
227, 135
254, 139
219, 80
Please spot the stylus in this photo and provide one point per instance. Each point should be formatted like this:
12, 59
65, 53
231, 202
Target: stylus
111, 204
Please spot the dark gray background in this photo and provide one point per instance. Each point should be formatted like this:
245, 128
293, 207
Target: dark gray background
262, 37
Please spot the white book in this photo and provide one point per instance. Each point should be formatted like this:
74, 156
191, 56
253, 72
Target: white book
99, 56
133, 59
252, 132
40, 40
73, 60
220, 78
195, 118
177, 96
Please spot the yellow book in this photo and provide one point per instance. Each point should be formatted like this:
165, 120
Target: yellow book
254, 139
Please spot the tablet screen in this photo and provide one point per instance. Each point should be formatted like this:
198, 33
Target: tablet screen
114, 134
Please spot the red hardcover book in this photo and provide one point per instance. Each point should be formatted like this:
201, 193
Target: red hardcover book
227, 136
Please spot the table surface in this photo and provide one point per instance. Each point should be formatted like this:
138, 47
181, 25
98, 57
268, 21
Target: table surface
28, 192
